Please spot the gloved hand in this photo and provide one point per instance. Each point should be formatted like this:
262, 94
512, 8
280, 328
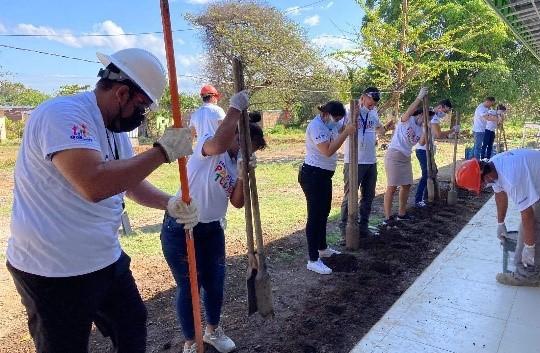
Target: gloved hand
422, 93
502, 233
252, 163
175, 142
240, 100
185, 214
456, 128
527, 255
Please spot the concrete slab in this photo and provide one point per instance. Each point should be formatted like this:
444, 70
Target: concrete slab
457, 306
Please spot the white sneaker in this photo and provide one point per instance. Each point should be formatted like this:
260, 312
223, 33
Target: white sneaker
319, 267
421, 204
190, 349
219, 340
328, 252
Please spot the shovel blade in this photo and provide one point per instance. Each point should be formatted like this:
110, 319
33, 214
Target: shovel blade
452, 197
263, 290
251, 291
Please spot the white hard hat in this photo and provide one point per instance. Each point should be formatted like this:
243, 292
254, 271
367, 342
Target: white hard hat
142, 68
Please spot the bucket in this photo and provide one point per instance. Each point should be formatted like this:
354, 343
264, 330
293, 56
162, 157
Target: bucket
469, 154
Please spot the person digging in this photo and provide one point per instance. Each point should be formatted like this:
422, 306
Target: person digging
75, 166
513, 174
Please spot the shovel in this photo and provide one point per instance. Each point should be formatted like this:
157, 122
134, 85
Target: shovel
258, 280
352, 240
427, 133
452, 193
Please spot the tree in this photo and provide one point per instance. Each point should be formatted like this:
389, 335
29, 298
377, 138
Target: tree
68, 90
16, 94
279, 61
442, 43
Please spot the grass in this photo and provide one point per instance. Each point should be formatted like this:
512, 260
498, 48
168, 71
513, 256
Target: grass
282, 203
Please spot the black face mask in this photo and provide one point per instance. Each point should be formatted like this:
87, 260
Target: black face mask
120, 124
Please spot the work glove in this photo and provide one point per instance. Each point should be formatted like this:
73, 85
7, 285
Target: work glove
527, 255
240, 164
502, 233
185, 214
240, 100
422, 93
175, 142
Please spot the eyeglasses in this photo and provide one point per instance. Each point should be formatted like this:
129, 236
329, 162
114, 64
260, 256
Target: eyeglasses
376, 96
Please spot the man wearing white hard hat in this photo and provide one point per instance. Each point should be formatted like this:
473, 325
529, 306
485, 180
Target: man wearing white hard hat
207, 118
75, 166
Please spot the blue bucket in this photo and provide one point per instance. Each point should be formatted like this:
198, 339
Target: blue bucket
469, 152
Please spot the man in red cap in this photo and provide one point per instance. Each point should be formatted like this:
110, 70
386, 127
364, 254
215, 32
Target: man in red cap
207, 118
516, 175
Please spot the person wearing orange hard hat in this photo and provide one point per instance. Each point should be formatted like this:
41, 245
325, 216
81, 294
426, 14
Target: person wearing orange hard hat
207, 118
513, 174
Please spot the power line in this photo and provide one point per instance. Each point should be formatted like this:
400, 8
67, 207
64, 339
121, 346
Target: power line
91, 34
296, 8
48, 53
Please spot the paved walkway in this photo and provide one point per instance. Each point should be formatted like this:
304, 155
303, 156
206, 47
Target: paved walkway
457, 306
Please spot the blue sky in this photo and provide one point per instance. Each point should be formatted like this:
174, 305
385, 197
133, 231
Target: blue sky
326, 23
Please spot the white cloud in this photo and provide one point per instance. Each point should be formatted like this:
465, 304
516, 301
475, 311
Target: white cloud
329, 42
313, 20
188, 60
296, 10
2, 28
329, 5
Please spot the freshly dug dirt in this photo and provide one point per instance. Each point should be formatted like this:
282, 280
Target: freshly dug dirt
314, 313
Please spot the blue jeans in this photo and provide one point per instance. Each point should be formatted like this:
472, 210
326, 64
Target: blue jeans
487, 144
478, 140
210, 251
421, 189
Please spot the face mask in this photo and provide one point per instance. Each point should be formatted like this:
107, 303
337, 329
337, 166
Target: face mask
441, 115
331, 124
419, 120
120, 124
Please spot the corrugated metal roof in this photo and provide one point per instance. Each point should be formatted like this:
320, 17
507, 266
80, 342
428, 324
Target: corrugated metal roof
523, 18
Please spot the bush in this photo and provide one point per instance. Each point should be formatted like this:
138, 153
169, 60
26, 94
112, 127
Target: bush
14, 129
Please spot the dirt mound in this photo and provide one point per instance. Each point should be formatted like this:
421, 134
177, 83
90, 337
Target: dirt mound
342, 263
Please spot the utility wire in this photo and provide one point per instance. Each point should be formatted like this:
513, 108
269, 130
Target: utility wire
48, 53
296, 8
91, 34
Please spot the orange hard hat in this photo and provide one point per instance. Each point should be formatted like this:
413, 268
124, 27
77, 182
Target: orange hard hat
209, 90
468, 176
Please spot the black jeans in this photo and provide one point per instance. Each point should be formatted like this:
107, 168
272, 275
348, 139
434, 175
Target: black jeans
487, 144
317, 186
61, 310
367, 182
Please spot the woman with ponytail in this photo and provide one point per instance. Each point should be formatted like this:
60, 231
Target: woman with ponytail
322, 142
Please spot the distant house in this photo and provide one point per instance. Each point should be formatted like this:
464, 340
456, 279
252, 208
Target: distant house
15, 112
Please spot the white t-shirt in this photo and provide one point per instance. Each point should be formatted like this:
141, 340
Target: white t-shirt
519, 176
406, 135
55, 232
366, 141
211, 182
479, 124
434, 120
206, 119
317, 132
492, 125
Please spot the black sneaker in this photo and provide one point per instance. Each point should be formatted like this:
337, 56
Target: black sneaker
405, 217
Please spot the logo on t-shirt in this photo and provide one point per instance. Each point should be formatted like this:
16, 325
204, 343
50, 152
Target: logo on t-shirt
411, 136
81, 133
224, 178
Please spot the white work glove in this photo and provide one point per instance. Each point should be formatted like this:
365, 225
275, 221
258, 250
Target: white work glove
527, 255
422, 93
175, 142
502, 233
456, 128
240, 164
240, 100
185, 214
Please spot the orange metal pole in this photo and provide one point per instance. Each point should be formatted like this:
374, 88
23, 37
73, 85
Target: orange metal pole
182, 167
